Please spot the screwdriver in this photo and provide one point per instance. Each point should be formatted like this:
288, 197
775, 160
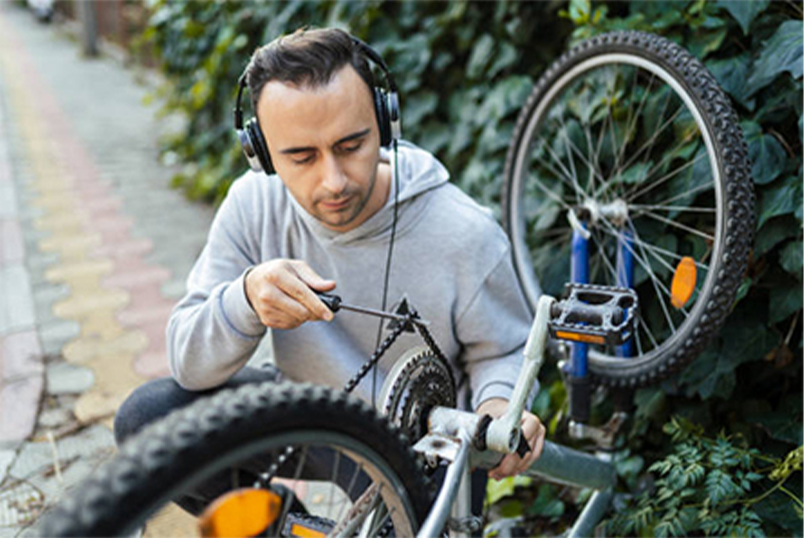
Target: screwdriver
335, 303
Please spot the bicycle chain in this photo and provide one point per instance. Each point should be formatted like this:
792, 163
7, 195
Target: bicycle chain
412, 316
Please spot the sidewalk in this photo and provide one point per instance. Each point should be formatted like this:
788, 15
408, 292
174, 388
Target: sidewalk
94, 251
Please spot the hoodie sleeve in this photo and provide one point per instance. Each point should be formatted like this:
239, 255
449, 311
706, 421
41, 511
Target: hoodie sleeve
493, 330
213, 330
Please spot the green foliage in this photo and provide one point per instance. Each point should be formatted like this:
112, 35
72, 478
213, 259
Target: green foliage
464, 70
460, 67
711, 487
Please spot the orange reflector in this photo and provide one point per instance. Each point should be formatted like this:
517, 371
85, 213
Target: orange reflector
683, 282
576, 337
304, 532
242, 512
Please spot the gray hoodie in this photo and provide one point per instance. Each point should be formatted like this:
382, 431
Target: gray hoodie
451, 260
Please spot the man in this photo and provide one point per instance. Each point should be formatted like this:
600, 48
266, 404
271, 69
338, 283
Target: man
323, 222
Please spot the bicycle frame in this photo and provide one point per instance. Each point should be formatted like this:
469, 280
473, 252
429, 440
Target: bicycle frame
451, 434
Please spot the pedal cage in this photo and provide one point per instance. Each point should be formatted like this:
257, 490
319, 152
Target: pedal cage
594, 314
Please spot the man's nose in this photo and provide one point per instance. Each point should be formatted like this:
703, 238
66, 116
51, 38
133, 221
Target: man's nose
334, 178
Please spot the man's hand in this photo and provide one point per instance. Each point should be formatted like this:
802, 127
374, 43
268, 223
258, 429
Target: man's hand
532, 429
279, 292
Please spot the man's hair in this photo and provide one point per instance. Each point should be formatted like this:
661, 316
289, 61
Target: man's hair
306, 58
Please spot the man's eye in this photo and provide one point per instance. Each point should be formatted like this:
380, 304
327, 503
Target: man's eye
353, 147
306, 160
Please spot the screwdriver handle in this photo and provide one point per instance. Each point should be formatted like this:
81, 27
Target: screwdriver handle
333, 302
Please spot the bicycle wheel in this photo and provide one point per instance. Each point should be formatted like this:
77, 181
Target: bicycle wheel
633, 136
348, 465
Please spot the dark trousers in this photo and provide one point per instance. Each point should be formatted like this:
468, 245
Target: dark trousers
157, 398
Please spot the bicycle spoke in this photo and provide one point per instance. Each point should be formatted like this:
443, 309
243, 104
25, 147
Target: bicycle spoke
567, 144
350, 489
296, 475
654, 136
673, 255
680, 226
641, 244
377, 529
549, 192
613, 131
567, 176
655, 281
653, 184
333, 481
647, 330
679, 208
356, 515
613, 273
704, 186
636, 116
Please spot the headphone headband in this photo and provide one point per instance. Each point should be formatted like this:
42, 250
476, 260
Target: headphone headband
386, 108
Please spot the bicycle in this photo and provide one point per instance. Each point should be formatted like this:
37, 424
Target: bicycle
355, 469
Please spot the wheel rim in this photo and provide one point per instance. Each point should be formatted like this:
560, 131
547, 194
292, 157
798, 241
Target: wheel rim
632, 86
319, 494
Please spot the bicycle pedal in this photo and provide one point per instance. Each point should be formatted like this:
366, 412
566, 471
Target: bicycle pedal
307, 526
594, 314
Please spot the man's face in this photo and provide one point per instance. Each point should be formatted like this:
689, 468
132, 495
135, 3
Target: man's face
324, 145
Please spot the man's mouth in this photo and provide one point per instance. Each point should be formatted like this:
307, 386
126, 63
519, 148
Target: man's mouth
334, 205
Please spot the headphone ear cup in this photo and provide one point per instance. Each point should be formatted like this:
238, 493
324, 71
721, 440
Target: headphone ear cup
259, 145
383, 118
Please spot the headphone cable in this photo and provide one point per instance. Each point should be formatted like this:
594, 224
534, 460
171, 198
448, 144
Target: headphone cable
386, 280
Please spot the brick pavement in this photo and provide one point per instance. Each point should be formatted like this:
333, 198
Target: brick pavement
94, 250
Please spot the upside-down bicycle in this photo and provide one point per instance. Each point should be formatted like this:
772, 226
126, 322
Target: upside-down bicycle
627, 171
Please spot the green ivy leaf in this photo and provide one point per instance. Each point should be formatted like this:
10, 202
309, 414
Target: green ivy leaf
779, 200
744, 12
784, 423
499, 489
731, 73
418, 106
547, 503
785, 299
772, 233
778, 509
481, 53
791, 258
579, 11
504, 59
765, 152
783, 52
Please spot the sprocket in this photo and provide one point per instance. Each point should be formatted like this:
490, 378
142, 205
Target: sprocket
419, 381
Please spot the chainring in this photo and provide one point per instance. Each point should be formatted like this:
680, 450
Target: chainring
419, 381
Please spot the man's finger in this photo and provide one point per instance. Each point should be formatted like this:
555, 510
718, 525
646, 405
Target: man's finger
311, 278
298, 289
283, 309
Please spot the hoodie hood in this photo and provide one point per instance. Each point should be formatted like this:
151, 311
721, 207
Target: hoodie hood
415, 171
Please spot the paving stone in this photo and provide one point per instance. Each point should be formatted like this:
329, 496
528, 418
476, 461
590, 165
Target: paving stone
55, 334
12, 249
45, 296
22, 355
66, 378
17, 310
19, 401
54, 418
36, 458
6, 459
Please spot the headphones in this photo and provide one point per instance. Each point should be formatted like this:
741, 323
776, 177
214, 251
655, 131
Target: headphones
386, 108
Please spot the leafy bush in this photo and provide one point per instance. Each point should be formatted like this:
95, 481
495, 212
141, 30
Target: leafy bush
464, 69
707, 487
